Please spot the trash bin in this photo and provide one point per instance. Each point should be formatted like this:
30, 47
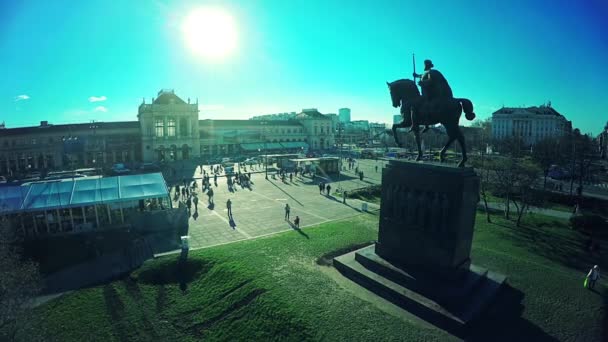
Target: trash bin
364, 206
185, 243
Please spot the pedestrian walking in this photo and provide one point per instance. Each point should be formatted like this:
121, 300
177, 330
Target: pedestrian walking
344, 197
287, 210
189, 204
321, 187
328, 188
210, 194
195, 200
376, 168
183, 192
592, 277
296, 222
291, 177
361, 175
229, 207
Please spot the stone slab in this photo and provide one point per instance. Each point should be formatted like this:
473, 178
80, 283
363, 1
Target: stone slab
452, 310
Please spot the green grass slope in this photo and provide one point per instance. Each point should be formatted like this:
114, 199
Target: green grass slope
272, 289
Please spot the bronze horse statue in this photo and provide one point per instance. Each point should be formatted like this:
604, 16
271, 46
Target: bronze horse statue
405, 94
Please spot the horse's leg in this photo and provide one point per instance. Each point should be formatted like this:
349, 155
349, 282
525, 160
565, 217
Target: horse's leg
417, 135
395, 126
463, 147
451, 139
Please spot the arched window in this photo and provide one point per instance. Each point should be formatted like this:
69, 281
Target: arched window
159, 127
171, 127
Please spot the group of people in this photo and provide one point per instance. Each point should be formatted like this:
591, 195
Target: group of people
186, 194
296, 221
324, 187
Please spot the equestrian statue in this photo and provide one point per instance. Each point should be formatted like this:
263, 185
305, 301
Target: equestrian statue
435, 105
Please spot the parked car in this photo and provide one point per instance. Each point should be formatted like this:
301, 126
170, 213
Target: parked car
119, 169
251, 161
215, 160
149, 168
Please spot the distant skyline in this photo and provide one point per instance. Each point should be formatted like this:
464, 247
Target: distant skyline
66, 61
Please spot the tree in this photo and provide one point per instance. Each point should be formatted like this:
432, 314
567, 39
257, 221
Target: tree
484, 166
481, 135
20, 282
526, 173
512, 146
513, 179
546, 153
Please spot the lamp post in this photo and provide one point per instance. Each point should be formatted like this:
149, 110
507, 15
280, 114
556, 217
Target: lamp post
263, 123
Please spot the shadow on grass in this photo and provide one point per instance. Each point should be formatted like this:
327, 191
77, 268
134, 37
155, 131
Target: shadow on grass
116, 310
549, 238
297, 229
172, 272
604, 294
503, 321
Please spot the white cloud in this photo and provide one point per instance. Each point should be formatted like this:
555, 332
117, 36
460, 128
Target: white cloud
101, 109
97, 98
22, 97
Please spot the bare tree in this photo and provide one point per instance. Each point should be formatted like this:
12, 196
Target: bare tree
526, 174
546, 154
20, 282
514, 179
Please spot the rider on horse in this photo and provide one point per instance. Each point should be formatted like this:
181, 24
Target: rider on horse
434, 87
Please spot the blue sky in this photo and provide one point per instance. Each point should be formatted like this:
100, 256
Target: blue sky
56, 55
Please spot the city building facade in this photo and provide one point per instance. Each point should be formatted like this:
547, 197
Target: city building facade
167, 129
532, 124
344, 114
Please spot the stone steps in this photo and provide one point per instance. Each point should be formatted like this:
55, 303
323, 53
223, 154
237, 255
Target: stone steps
451, 305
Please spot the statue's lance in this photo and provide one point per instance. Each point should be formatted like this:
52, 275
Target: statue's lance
414, 64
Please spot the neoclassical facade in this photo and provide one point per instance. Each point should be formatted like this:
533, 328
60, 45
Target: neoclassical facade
167, 129
532, 124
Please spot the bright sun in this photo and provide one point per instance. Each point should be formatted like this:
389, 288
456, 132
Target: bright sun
210, 32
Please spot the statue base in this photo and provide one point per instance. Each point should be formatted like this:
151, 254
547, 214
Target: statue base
450, 303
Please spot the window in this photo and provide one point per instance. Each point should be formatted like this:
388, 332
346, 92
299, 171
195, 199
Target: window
183, 127
160, 126
171, 127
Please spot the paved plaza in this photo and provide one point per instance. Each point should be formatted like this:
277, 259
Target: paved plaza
261, 211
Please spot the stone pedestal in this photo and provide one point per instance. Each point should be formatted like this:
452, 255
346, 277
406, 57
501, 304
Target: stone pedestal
422, 258
427, 216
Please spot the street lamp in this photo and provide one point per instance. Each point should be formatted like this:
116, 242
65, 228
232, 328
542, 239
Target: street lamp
263, 123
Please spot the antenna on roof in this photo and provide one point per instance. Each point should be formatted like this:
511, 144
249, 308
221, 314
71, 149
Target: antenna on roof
549, 104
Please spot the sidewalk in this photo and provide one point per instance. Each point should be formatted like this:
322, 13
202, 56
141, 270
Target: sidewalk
547, 212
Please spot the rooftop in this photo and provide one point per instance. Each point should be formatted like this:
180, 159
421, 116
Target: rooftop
540, 110
50, 128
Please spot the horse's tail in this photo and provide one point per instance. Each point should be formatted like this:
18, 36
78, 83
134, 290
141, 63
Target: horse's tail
467, 107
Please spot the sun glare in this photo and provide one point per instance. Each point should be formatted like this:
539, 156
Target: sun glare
210, 32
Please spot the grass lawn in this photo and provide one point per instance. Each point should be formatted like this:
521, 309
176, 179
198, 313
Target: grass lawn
548, 205
272, 289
